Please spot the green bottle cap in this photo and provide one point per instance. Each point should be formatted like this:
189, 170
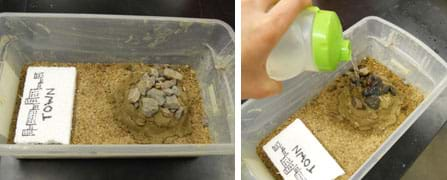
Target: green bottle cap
328, 46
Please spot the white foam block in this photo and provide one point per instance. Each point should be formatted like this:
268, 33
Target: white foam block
46, 108
298, 155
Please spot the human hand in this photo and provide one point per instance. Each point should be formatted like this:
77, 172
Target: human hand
263, 24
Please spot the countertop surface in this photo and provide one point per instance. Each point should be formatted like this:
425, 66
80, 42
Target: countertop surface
214, 167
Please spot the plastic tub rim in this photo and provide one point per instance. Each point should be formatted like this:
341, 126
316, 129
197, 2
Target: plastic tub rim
130, 17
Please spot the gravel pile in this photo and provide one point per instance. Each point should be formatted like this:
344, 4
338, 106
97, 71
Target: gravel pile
157, 91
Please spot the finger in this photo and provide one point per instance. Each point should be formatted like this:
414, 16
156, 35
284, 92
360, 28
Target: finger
271, 88
284, 12
265, 89
265, 5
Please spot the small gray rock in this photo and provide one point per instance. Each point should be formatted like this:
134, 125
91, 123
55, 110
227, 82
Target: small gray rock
179, 113
168, 84
168, 91
145, 77
373, 80
154, 72
157, 95
134, 95
172, 74
142, 88
372, 91
174, 90
166, 113
172, 102
149, 106
373, 102
146, 82
155, 92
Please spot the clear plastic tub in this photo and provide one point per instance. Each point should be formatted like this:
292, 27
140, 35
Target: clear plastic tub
405, 55
206, 45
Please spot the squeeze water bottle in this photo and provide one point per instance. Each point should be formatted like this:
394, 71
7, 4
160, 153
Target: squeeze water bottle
314, 42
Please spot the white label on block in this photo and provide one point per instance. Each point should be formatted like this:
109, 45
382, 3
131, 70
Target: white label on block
298, 155
46, 108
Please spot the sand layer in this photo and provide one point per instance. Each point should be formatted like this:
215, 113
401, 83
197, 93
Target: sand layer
349, 146
97, 118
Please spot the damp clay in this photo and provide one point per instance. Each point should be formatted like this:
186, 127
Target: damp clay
354, 115
106, 111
